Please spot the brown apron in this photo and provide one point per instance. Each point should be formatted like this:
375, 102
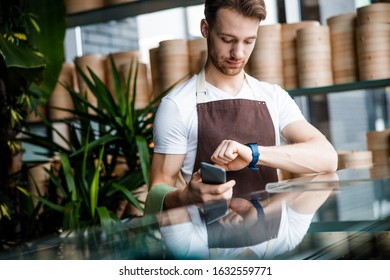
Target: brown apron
242, 120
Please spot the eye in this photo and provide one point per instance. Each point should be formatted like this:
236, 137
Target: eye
249, 41
226, 40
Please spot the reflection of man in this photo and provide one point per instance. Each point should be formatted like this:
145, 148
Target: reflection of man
277, 227
214, 114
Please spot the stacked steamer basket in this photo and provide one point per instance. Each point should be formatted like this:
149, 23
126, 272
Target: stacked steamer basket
116, 2
314, 57
197, 49
154, 72
343, 41
61, 98
289, 52
379, 143
76, 6
354, 159
174, 61
96, 63
142, 87
266, 62
373, 41
125, 62
119, 58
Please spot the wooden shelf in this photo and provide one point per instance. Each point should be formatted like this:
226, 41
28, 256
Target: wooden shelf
340, 88
125, 10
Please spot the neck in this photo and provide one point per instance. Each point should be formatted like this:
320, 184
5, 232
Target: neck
226, 83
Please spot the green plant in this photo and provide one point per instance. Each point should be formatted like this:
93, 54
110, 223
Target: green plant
85, 191
31, 54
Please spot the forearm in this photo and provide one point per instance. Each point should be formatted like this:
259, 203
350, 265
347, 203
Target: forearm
175, 199
301, 158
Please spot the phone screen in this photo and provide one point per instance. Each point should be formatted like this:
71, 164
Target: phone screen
212, 174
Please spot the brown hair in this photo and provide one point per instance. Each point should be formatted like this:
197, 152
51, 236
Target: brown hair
248, 8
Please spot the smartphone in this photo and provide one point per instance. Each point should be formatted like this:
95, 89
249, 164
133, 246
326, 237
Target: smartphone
212, 174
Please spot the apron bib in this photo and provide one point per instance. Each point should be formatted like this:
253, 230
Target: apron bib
242, 120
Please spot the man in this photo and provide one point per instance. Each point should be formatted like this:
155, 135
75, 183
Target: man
214, 115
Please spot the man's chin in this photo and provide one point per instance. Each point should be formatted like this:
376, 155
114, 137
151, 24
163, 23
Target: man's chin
232, 71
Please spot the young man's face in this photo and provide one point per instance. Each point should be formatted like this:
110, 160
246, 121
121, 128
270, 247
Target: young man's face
230, 41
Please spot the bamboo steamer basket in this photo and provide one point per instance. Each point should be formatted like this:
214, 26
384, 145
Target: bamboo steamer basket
96, 63
354, 159
174, 62
196, 48
266, 62
61, 134
379, 172
374, 13
289, 52
119, 58
343, 42
116, 2
77, 6
155, 72
373, 50
379, 143
314, 56
142, 87
61, 97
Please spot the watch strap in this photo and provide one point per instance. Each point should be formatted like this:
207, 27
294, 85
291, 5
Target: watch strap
255, 156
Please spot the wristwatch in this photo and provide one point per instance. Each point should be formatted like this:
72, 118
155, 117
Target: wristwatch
255, 155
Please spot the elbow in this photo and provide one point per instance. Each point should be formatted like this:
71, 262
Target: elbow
331, 160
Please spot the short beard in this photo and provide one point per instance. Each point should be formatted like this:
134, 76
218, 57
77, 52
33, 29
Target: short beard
226, 70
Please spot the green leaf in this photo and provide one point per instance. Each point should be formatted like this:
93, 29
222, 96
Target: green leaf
105, 219
108, 138
23, 191
49, 38
22, 63
85, 158
118, 86
71, 215
4, 211
41, 141
69, 176
133, 180
94, 190
57, 182
47, 202
144, 156
20, 57
130, 197
103, 95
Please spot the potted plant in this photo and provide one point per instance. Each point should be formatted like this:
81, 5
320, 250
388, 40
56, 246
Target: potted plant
85, 190
31, 52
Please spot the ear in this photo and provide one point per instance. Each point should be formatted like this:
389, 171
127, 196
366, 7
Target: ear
204, 28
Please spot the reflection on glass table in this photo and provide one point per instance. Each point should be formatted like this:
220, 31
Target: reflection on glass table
263, 225
343, 215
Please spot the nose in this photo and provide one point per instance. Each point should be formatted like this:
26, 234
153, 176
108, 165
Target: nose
237, 50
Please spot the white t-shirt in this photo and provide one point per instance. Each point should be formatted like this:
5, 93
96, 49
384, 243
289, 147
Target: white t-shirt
176, 122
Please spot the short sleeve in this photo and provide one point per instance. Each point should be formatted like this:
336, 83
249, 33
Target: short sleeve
170, 135
288, 108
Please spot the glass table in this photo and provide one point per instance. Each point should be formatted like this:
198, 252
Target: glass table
342, 215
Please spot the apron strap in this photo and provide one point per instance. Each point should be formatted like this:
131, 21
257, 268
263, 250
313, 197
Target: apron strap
201, 87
